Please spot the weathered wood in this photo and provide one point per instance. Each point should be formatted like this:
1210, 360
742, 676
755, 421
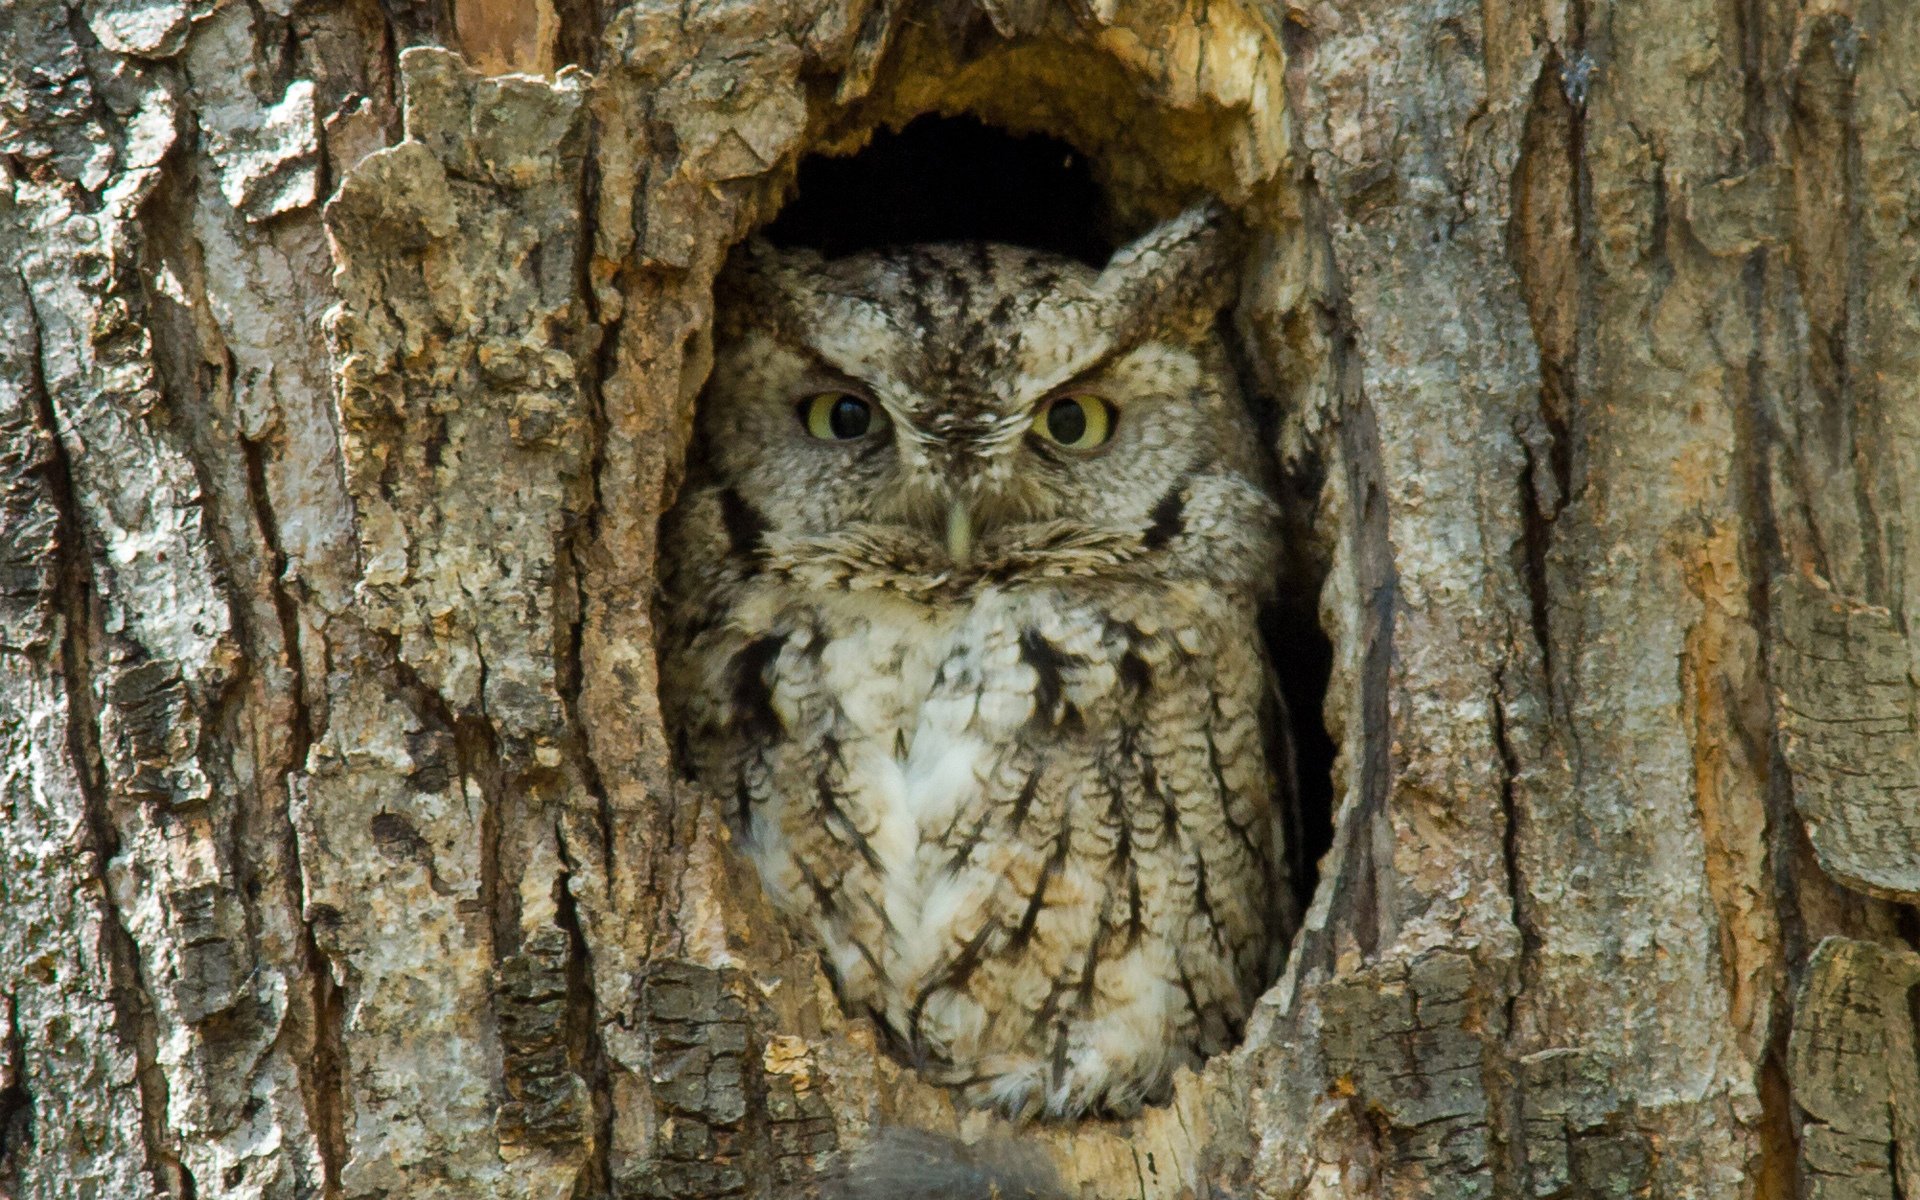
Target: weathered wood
1855, 1072
343, 853
1849, 717
460, 336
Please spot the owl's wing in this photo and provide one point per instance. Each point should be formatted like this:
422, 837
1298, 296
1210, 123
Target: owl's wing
765, 724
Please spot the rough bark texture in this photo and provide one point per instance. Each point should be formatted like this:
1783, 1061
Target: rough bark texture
342, 384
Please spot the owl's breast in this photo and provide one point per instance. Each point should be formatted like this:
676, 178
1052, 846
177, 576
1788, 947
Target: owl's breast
925, 701
903, 722
1026, 827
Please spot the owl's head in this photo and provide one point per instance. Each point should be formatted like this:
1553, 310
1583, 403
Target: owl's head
966, 412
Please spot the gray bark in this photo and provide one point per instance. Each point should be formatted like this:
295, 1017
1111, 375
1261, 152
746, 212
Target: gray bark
341, 388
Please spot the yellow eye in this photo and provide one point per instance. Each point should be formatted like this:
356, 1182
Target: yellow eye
1075, 422
836, 416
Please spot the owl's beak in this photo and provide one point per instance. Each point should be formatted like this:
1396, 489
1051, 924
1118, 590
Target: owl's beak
959, 532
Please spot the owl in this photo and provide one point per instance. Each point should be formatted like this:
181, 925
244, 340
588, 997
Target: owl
960, 602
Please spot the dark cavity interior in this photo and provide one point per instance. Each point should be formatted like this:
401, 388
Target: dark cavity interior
947, 179
1302, 658
942, 179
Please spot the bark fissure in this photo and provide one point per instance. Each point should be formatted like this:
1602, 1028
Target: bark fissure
1852, 392
131, 998
479, 765
1510, 841
1758, 435
1537, 536
323, 1073
1374, 567
16, 1098
285, 605
1546, 241
1506, 1089
327, 1105
585, 531
1830, 282
481, 769
586, 1051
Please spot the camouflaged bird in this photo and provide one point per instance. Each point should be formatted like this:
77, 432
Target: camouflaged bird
960, 601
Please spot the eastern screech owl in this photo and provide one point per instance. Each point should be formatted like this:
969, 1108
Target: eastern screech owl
961, 600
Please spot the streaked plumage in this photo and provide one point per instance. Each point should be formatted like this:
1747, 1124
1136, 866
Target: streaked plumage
992, 716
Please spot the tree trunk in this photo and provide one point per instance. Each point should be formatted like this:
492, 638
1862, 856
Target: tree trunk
341, 388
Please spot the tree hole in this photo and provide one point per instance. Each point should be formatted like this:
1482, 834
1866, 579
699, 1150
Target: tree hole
940, 179
956, 178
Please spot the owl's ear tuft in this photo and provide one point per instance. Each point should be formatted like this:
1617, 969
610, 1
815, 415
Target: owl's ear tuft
1180, 273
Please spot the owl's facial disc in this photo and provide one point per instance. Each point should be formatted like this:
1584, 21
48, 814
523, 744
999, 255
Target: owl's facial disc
988, 473
950, 478
982, 412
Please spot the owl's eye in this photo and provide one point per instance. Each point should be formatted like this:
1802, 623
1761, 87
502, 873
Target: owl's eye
1075, 422
836, 416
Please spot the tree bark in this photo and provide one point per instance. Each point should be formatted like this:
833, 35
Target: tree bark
347, 357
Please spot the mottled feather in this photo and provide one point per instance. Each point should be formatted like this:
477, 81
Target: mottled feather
1024, 788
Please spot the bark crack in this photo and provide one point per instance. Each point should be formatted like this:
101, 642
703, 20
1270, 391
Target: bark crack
1756, 432
130, 996
1511, 1169
16, 1100
1365, 910
585, 1048
1537, 521
479, 762
585, 530
324, 1074
1546, 241
232, 470
582, 531
1510, 810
